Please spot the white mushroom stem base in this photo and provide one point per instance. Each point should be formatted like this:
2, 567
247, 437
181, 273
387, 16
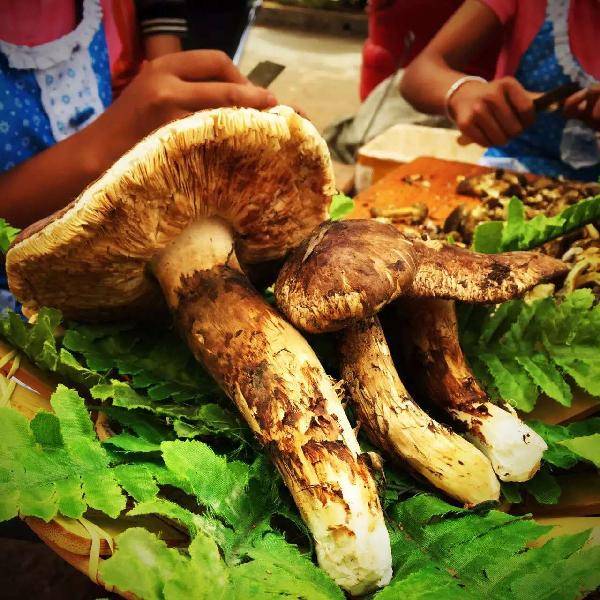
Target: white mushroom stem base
394, 422
514, 449
278, 384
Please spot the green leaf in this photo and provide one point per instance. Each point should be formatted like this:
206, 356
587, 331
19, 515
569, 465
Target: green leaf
244, 497
170, 510
216, 482
559, 453
146, 567
55, 464
511, 492
279, 570
39, 342
429, 583
544, 487
212, 420
446, 552
131, 443
121, 394
587, 447
513, 383
517, 233
7, 235
528, 349
137, 480
341, 205
155, 361
547, 377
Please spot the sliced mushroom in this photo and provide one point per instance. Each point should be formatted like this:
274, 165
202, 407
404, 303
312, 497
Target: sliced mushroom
396, 424
170, 210
345, 273
438, 363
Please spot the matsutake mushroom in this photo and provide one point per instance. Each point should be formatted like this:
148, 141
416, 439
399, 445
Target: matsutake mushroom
396, 424
343, 275
439, 365
175, 213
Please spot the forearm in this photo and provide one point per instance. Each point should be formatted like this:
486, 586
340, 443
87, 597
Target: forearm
426, 82
47, 182
446, 58
159, 45
163, 24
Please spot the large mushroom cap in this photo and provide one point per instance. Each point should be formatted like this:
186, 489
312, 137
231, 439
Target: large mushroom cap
268, 174
349, 270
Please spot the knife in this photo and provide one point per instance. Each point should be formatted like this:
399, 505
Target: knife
553, 100
264, 73
550, 101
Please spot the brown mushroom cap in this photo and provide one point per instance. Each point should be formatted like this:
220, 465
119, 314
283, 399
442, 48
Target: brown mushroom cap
346, 271
349, 270
268, 174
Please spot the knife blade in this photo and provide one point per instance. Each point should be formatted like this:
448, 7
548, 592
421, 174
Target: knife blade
264, 73
552, 101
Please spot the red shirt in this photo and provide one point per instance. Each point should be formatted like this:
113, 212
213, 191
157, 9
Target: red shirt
35, 22
524, 18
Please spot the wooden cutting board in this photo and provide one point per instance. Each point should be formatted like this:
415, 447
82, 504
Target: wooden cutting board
436, 189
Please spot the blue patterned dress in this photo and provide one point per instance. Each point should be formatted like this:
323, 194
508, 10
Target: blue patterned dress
552, 145
49, 92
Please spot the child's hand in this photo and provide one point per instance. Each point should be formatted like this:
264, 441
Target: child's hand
173, 86
585, 106
492, 113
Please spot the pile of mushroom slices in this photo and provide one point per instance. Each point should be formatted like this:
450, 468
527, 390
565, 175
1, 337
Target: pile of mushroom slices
344, 274
171, 223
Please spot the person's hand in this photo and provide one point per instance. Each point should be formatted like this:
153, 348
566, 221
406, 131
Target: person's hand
168, 88
585, 106
492, 113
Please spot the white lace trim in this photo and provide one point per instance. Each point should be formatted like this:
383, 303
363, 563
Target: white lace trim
52, 53
557, 11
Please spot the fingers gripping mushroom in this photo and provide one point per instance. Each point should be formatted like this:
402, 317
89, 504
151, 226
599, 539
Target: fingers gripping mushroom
514, 449
170, 211
395, 423
346, 272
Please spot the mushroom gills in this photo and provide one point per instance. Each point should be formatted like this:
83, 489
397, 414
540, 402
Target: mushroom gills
444, 376
394, 422
271, 373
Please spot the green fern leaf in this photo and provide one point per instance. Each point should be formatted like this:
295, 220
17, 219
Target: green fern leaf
56, 464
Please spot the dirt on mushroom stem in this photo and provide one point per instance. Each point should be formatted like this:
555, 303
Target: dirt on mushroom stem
395, 423
275, 379
443, 375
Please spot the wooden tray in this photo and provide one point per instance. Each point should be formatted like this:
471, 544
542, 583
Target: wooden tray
69, 538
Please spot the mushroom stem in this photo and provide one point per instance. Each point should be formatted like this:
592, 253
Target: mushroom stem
514, 449
394, 422
271, 373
